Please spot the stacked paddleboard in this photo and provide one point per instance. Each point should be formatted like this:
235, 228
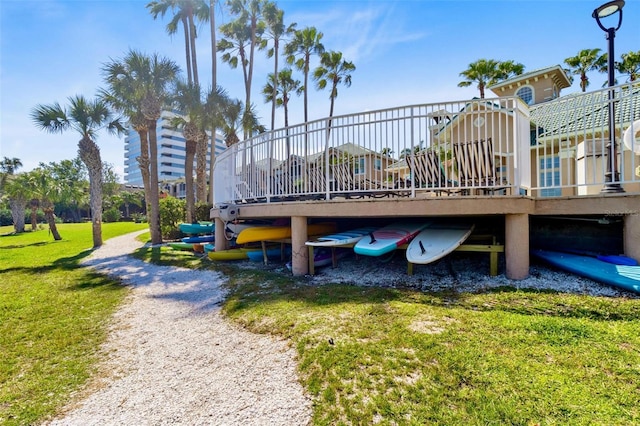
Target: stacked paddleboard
270, 233
437, 241
341, 238
388, 238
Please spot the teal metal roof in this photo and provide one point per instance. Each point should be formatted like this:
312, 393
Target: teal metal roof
585, 113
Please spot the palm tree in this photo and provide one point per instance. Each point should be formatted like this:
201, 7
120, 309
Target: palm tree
332, 71
46, 191
243, 35
630, 65
185, 13
282, 88
16, 189
87, 118
8, 167
275, 31
305, 42
486, 72
586, 60
188, 99
130, 198
139, 87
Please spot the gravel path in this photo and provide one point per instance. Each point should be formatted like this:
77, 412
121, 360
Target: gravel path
171, 357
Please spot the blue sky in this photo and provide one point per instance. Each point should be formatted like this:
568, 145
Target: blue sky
405, 52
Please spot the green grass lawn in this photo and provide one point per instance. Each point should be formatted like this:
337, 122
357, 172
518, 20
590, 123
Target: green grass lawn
366, 355
399, 356
53, 317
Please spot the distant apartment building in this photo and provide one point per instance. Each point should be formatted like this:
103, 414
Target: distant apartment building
171, 156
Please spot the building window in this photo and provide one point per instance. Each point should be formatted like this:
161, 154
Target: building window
526, 94
378, 164
550, 176
359, 167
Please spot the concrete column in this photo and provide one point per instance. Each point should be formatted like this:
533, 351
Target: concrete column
631, 235
221, 242
299, 252
516, 246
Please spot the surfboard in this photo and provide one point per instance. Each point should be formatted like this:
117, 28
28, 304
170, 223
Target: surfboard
341, 238
199, 239
274, 253
625, 277
267, 233
435, 242
197, 228
388, 238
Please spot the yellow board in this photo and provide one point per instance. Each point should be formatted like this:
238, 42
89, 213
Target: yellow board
231, 254
269, 233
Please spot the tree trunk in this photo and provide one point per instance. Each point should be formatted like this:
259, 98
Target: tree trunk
51, 220
154, 194
89, 153
190, 148
18, 208
187, 42
214, 85
201, 168
192, 35
143, 164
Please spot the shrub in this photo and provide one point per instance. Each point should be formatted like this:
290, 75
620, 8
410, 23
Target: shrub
5, 217
111, 215
202, 211
172, 212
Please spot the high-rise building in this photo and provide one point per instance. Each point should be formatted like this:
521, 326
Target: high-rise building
171, 152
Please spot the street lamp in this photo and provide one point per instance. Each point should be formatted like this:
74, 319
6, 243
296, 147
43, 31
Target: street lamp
611, 177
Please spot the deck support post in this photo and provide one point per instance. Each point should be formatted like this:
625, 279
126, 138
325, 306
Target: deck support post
517, 246
220, 242
299, 252
631, 235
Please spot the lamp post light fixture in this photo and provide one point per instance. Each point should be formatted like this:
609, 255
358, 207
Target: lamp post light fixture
611, 177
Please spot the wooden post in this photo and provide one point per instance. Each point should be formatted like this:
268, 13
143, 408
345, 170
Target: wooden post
299, 251
221, 242
517, 246
631, 235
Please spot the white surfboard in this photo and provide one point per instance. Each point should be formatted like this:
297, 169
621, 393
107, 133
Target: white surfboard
434, 243
341, 238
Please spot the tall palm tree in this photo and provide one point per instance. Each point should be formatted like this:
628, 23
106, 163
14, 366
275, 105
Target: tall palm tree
305, 42
186, 11
214, 85
139, 85
279, 91
486, 72
85, 117
586, 60
242, 36
188, 100
46, 191
275, 31
333, 70
630, 65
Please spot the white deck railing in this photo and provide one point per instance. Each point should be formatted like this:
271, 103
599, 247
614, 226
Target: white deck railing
481, 146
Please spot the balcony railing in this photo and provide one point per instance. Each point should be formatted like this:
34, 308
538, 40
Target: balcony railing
477, 147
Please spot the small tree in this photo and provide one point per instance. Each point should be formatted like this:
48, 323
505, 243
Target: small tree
172, 211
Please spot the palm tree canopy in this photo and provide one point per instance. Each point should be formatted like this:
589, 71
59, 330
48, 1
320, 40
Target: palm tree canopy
304, 43
84, 116
586, 60
486, 72
629, 65
332, 71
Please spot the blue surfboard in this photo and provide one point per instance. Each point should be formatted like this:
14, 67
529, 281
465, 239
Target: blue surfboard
625, 277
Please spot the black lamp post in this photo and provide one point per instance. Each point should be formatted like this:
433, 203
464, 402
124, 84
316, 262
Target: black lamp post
611, 177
